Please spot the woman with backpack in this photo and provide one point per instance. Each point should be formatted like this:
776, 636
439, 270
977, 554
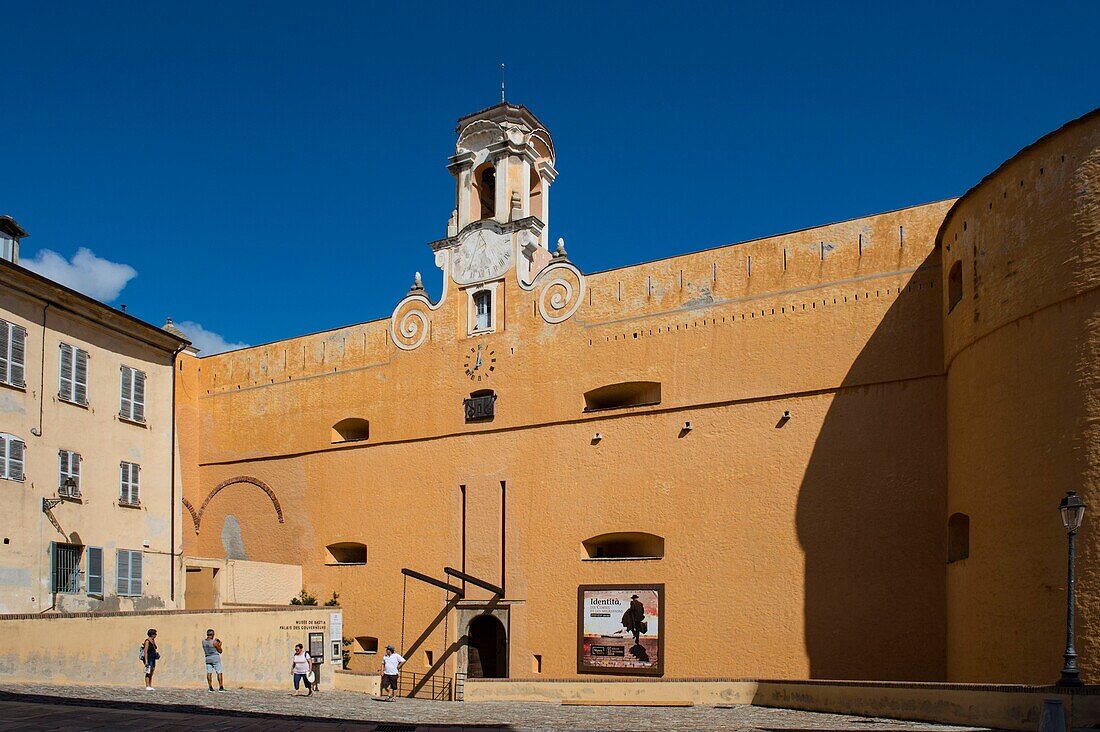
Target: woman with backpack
300, 667
149, 656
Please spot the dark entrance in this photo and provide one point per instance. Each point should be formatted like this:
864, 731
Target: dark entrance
488, 649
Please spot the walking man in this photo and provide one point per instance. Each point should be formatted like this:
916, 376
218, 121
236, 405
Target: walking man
212, 650
391, 668
634, 619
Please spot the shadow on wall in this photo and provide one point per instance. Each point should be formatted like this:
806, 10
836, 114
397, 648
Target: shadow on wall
872, 504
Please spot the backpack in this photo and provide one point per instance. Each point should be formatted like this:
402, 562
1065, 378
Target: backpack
141, 651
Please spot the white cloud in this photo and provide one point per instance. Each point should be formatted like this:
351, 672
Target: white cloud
208, 342
86, 273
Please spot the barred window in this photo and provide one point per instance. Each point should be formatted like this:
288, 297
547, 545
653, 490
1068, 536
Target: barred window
95, 570
12, 451
128, 484
132, 402
68, 466
128, 566
65, 568
73, 375
13, 354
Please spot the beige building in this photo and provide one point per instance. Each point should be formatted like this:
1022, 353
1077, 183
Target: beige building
834, 453
89, 501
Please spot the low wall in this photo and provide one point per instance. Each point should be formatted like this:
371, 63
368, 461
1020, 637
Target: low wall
980, 705
102, 648
345, 680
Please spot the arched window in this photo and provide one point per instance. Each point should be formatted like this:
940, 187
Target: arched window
483, 310
954, 286
485, 190
625, 394
350, 429
12, 452
536, 195
958, 537
625, 545
347, 552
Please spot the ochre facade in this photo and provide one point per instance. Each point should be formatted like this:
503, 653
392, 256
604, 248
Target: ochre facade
806, 417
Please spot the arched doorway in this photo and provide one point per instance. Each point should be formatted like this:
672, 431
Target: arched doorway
488, 649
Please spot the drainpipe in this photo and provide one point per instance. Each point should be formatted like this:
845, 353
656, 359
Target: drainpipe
42, 375
172, 483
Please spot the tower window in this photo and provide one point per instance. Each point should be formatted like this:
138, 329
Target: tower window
483, 310
485, 186
954, 286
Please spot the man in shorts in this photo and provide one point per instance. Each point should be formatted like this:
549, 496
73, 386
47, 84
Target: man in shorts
391, 668
212, 651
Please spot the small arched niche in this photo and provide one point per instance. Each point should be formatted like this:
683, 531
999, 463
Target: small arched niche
625, 545
366, 644
484, 202
954, 286
347, 552
624, 394
958, 537
351, 430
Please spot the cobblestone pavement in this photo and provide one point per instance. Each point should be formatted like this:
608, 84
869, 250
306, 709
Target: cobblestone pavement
27, 707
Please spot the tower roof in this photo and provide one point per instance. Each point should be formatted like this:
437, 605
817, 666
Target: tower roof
503, 112
9, 226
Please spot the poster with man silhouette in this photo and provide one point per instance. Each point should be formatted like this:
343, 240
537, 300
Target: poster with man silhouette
619, 629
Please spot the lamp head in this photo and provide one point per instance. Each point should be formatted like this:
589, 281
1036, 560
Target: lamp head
1072, 509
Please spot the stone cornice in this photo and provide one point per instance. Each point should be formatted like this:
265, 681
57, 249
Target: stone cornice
528, 223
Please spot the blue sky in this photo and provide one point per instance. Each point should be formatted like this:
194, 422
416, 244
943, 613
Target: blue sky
272, 169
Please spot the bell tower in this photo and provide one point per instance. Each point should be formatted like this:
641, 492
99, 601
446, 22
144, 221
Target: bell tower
503, 167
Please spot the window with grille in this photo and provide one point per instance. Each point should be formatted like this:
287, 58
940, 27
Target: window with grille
73, 375
13, 354
128, 571
65, 568
95, 570
132, 405
483, 310
68, 466
12, 451
128, 484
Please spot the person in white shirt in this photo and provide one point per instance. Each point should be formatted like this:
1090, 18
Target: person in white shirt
391, 668
299, 666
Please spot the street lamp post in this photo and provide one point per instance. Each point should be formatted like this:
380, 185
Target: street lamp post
1072, 509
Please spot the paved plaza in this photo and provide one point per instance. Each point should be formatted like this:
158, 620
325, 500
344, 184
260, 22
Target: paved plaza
30, 708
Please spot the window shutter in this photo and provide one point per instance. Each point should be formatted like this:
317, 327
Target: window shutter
135, 573
95, 570
53, 566
74, 468
65, 381
4, 456
122, 571
18, 354
15, 458
5, 344
139, 396
134, 471
80, 377
126, 408
62, 468
124, 482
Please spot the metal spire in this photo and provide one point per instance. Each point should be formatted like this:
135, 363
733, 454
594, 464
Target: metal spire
502, 83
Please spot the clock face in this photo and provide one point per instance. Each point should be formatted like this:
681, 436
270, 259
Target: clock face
481, 255
480, 363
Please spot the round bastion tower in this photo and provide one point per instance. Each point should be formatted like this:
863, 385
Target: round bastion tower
1021, 274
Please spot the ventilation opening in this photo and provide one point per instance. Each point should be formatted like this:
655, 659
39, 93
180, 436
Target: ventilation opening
958, 537
625, 545
347, 552
350, 429
954, 286
626, 394
366, 644
485, 186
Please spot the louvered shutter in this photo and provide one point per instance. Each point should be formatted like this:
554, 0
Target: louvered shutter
62, 469
80, 377
134, 471
5, 345
135, 573
124, 482
4, 456
74, 468
65, 381
53, 566
139, 396
126, 409
15, 458
95, 570
122, 572
18, 355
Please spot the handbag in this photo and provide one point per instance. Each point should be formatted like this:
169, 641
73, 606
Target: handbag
311, 677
